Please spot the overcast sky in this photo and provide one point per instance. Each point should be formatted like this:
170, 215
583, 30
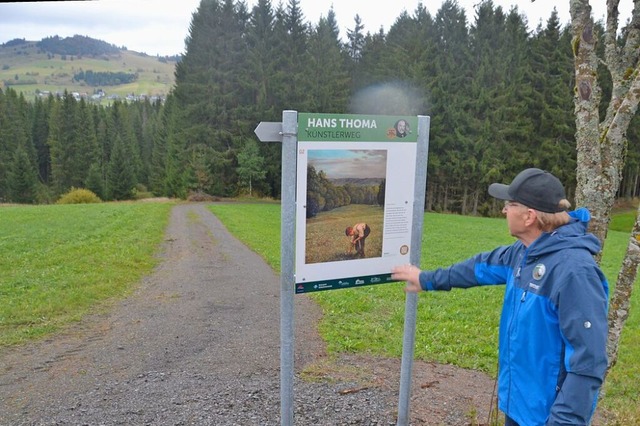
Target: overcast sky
349, 163
161, 26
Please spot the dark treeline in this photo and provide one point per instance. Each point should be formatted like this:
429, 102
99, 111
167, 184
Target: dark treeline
323, 195
77, 45
104, 78
500, 98
53, 144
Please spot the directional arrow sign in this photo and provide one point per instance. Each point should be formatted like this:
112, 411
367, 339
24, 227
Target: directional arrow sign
268, 131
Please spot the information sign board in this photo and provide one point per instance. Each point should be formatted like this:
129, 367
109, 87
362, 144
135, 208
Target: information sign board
354, 198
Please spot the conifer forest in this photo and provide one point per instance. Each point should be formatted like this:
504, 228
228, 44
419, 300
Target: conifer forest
499, 94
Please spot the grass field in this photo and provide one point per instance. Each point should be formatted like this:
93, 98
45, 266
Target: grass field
60, 262
458, 327
326, 240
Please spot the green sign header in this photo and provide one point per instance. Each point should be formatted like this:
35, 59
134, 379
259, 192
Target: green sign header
354, 128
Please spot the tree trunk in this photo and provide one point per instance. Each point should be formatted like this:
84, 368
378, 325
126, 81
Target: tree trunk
465, 195
600, 145
619, 307
476, 196
592, 186
445, 201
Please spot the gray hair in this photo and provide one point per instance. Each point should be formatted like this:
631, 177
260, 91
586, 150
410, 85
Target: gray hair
551, 221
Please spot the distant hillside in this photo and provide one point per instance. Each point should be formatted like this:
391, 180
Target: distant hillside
77, 45
88, 67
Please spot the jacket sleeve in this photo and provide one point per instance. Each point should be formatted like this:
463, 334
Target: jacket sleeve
582, 314
487, 268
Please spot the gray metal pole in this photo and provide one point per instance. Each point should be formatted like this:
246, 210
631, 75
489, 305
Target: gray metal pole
411, 304
287, 257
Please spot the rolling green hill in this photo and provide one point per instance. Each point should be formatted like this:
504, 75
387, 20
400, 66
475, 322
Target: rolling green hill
30, 68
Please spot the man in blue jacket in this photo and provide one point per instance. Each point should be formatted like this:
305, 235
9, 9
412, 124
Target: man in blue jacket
553, 327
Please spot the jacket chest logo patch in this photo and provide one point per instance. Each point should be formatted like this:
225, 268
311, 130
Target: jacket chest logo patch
538, 271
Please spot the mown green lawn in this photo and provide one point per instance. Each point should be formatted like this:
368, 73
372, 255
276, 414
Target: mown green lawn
458, 327
59, 262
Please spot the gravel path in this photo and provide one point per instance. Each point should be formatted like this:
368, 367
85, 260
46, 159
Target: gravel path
198, 344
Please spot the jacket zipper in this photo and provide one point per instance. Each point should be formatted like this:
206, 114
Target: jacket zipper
516, 310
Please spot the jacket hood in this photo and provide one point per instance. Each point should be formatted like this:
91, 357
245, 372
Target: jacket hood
572, 235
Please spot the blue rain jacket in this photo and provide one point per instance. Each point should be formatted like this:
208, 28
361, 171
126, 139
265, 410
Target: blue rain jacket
553, 328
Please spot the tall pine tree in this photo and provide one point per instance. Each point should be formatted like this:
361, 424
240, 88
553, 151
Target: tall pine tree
22, 178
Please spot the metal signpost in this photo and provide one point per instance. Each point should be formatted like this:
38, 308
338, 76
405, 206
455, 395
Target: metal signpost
411, 303
394, 150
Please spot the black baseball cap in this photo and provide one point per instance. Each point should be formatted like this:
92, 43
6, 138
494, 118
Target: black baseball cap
535, 188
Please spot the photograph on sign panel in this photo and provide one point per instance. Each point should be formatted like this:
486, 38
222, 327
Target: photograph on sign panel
345, 204
401, 128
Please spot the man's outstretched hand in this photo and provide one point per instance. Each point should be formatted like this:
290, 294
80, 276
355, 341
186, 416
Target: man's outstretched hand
410, 274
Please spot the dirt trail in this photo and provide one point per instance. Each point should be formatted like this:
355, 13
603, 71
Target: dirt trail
198, 343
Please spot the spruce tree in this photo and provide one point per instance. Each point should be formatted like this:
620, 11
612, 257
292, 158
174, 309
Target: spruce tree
294, 53
120, 171
498, 123
157, 168
551, 62
266, 64
327, 75
355, 38
87, 145
14, 132
104, 146
119, 125
150, 116
95, 181
450, 93
262, 61
64, 128
368, 70
22, 178
210, 99
40, 134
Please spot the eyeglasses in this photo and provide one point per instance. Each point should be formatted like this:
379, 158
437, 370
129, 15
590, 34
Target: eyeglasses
511, 204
